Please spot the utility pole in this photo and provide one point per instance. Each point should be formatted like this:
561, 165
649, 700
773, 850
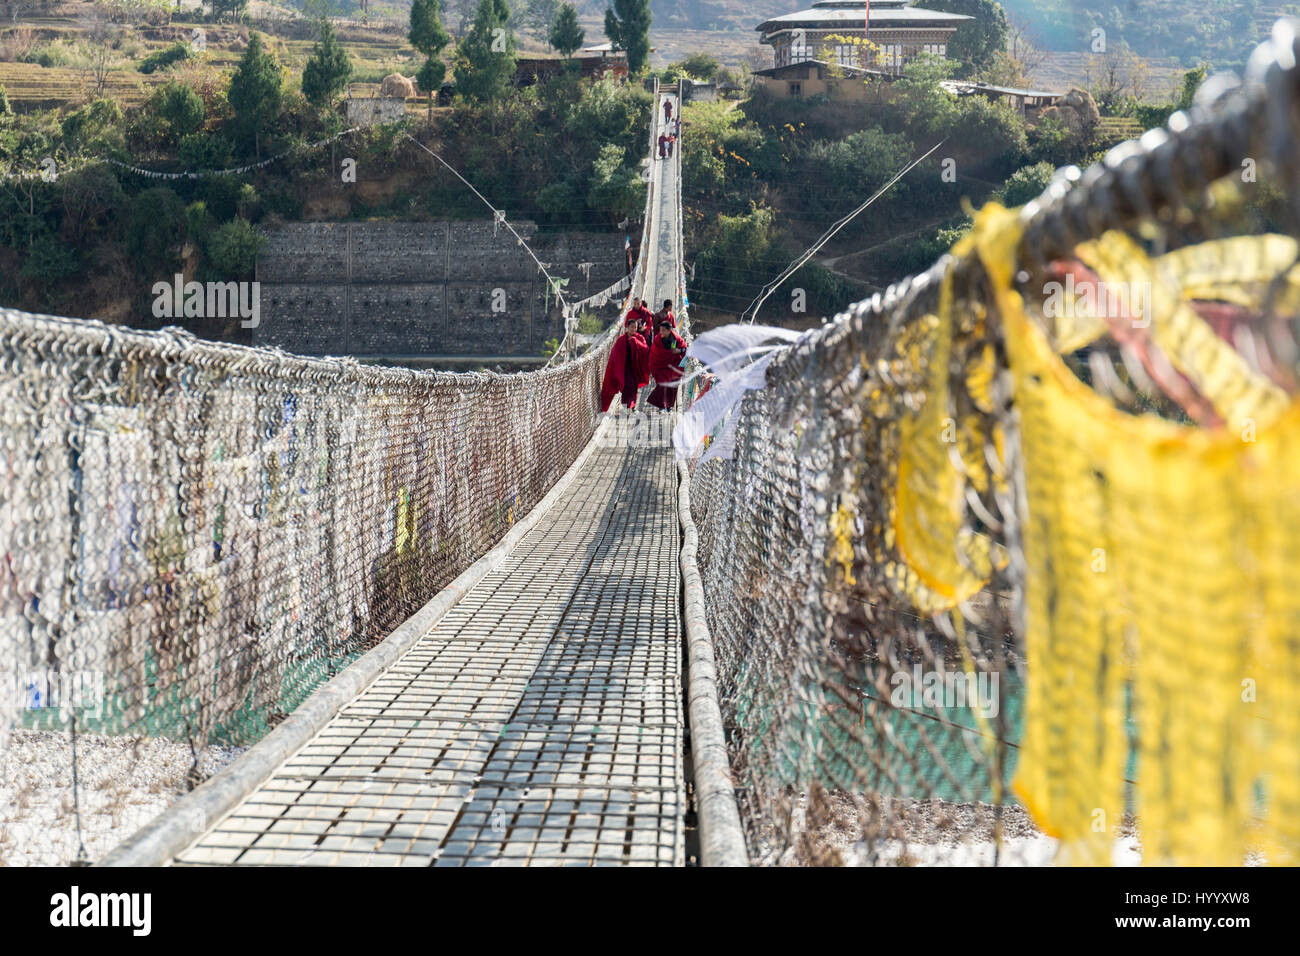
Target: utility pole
866, 36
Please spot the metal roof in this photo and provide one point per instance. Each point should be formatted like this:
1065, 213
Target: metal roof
836, 12
966, 87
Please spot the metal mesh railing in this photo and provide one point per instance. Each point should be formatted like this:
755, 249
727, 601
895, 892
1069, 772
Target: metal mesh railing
1002, 567
193, 537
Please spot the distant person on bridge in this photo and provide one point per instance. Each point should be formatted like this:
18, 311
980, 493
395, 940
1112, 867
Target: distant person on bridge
640, 312
666, 365
629, 366
666, 315
663, 143
671, 139
668, 111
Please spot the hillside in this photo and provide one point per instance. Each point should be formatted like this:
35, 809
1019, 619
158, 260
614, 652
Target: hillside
1220, 31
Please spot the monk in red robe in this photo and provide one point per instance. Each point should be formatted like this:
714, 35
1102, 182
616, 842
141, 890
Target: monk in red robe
629, 366
665, 314
666, 365
639, 311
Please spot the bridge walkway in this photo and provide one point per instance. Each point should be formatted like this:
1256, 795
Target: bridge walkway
540, 721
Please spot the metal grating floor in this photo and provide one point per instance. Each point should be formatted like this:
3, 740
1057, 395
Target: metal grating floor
539, 722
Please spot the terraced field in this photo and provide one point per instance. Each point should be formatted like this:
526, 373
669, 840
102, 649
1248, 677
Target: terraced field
31, 86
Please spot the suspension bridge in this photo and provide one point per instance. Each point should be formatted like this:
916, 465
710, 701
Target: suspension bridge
959, 577
539, 721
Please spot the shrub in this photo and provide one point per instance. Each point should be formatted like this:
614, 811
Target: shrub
178, 52
839, 175
155, 226
1026, 183
93, 127
206, 151
233, 248
179, 107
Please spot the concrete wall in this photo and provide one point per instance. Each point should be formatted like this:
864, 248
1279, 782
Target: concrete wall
375, 111
422, 289
693, 92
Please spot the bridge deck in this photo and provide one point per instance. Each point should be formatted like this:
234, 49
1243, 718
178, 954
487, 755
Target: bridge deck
540, 722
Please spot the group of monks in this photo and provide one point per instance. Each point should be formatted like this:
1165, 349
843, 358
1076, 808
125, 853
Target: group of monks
670, 133
649, 347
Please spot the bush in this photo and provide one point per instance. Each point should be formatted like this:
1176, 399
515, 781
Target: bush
1050, 142
155, 227
50, 261
92, 197
206, 151
839, 175
178, 52
616, 190
95, 127
1027, 183
993, 132
180, 108
233, 248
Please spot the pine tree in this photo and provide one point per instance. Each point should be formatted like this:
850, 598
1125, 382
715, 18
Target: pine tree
327, 72
255, 91
485, 59
566, 35
627, 24
428, 35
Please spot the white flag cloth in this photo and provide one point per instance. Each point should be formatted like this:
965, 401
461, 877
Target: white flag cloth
739, 356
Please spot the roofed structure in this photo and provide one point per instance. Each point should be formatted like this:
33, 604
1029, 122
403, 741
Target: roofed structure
900, 30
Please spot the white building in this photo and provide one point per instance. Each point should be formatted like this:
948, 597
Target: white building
898, 29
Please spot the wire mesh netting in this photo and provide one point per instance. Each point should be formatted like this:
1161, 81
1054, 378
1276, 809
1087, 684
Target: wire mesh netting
196, 536
1001, 567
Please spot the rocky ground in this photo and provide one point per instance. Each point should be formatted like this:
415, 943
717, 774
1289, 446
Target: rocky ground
122, 784
928, 833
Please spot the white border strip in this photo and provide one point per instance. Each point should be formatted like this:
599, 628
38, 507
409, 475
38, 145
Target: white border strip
722, 840
161, 839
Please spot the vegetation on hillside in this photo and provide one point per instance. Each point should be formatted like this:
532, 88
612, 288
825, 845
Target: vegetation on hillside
1220, 31
563, 152
763, 178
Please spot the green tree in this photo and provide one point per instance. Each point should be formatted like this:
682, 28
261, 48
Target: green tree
566, 34
540, 16
701, 66
1026, 183
235, 9
927, 106
178, 106
616, 190
1192, 81
155, 228
627, 24
328, 69
977, 42
485, 59
91, 198
839, 174
96, 127
233, 248
206, 151
255, 92
429, 36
